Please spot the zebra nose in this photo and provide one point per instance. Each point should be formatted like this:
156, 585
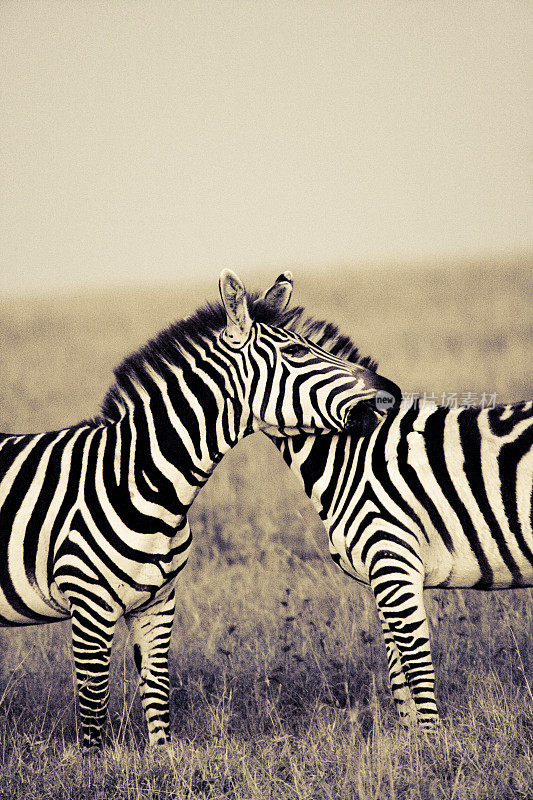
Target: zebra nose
362, 418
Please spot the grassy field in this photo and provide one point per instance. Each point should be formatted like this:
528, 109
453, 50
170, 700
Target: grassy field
278, 669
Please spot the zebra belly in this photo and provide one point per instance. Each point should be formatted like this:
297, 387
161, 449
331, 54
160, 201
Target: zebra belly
9, 617
129, 572
474, 562
31, 605
26, 597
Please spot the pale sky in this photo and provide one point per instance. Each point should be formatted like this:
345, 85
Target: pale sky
151, 141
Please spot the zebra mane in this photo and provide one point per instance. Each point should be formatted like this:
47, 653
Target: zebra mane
320, 332
165, 348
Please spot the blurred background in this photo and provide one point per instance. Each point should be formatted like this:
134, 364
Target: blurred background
155, 141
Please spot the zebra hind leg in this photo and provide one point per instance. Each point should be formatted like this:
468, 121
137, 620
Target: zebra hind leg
151, 629
398, 590
91, 643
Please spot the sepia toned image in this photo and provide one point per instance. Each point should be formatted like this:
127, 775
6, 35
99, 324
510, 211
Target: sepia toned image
266, 400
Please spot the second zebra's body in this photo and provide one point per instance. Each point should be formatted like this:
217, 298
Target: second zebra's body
93, 521
434, 497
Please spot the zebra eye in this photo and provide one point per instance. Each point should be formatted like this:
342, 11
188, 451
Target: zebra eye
295, 350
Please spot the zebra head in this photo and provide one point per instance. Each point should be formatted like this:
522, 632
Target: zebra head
374, 395
294, 384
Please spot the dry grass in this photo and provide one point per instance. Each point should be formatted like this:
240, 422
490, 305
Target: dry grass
278, 669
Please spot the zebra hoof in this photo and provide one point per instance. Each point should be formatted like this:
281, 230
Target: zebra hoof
430, 725
91, 750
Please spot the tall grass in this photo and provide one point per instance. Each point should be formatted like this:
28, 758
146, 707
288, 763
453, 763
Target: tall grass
277, 665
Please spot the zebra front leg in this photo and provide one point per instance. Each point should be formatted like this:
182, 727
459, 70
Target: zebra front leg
403, 699
151, 629
92, 637
398, 590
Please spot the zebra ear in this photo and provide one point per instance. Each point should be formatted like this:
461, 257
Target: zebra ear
233, 296
279, 294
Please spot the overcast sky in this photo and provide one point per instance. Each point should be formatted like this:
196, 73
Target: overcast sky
152, 140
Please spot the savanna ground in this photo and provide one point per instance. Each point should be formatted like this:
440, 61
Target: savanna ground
277, 668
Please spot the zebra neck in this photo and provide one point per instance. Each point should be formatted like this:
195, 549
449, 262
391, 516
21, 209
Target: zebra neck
162, 463
308, 456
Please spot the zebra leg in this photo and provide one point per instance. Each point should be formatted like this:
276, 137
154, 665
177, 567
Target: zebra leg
401, 693
92, 637
151, 629
398, 590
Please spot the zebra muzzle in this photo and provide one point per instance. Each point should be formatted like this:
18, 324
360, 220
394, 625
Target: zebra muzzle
363, 418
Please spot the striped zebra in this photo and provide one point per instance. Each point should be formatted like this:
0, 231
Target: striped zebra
93, 521
435, 497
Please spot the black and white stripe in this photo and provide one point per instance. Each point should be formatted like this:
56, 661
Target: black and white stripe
93, 519
434, 497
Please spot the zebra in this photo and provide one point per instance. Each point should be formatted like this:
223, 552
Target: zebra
93, 518
434, 497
